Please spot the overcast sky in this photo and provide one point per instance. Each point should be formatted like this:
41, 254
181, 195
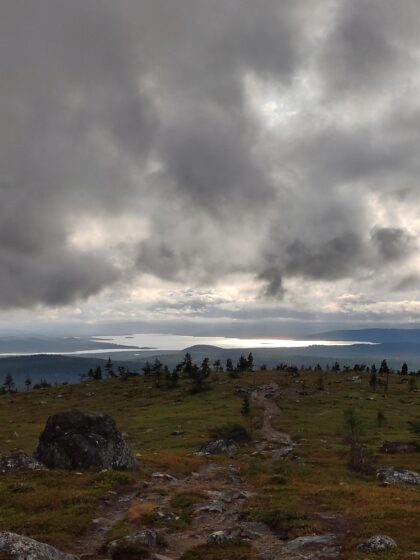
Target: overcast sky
210, 161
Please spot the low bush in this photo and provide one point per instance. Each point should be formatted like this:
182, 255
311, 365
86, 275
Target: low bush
231, 430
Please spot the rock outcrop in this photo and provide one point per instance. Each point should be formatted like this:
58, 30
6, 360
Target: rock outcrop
219, 447
399, 447
398, 476
20, 461
139, 544
378, 543
18, 547
76, 439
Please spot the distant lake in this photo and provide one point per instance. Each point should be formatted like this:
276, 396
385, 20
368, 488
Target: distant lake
170, 342
179, 342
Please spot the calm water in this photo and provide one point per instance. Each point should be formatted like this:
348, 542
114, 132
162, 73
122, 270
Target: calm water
179, 342
162, 342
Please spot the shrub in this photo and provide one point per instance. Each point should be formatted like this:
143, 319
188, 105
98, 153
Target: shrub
231, 430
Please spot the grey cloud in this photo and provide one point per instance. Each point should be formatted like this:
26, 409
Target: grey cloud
392, 243
114, 108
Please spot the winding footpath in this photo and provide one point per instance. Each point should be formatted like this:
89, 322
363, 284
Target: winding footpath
221, 492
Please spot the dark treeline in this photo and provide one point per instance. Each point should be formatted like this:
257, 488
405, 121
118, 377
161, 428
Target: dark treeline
199, 374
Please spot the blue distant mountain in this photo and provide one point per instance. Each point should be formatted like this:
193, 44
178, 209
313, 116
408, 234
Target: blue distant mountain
371, 335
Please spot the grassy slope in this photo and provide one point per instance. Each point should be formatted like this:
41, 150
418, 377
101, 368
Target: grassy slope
57, 506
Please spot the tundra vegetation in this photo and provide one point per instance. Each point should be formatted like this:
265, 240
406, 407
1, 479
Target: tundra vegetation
338, 418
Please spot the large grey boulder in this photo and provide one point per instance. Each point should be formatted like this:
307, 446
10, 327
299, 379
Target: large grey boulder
77, 439
378, 543
219, 447
17, 547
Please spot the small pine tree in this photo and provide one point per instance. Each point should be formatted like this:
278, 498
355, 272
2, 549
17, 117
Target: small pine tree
404, 369
28, 383
373, 380
250, 362
157, 372
358, 458
199, 375
147, 370
97, 374
229, 365
380, 419
9, 383
218, 368
109, 368
246, 406
242, 364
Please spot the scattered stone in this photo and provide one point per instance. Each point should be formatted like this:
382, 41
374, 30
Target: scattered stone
218, 537
139, 542
165, 476
378, 543
399, 447
20, 461
18, 547
252, 530
76, 439
390, 475
167, 516
311, 540
212, 507
219, 447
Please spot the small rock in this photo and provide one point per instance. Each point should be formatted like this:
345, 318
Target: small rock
213, 507
144, 541
378, 543
165, 476
219, 447
218, 537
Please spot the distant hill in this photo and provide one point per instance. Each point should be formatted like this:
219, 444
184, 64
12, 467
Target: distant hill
371, 335
54, 369
47, 344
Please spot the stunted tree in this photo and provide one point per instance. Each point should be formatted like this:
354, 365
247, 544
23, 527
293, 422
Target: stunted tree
229, 366
147, 370
250, 362
380, 419
384, 370
9, 383
358, 460
156, 372
373, 380
242, 364
404, 369
28, 383
199, 375
217, 364
109, 366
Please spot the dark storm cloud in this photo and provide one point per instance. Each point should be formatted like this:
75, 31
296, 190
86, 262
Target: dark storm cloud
148, 107
393, 243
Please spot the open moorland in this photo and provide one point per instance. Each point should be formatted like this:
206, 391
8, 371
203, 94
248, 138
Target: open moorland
288, 492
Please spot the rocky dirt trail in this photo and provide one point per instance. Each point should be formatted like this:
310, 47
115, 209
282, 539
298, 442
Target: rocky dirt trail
113, 509
221, 491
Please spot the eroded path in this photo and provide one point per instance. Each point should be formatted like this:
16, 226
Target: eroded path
219, 492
